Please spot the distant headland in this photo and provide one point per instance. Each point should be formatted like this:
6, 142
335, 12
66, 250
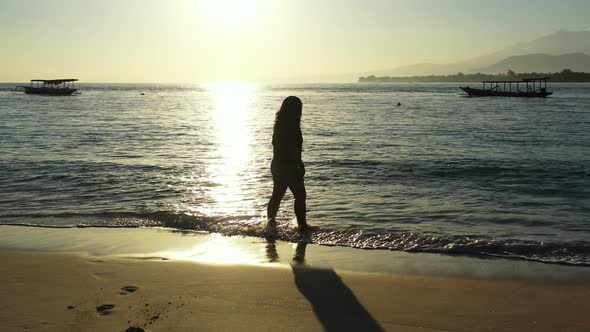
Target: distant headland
564, 76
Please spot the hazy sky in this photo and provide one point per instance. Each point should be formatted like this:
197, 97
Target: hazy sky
211, 40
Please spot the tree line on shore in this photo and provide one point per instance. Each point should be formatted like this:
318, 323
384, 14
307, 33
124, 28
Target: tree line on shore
565, 75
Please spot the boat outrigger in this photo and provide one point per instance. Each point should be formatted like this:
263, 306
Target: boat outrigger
59, 87
533, 87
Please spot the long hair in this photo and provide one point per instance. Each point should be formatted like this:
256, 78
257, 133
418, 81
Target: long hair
289, 115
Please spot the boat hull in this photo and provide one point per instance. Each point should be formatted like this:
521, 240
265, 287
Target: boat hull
49, 91
491, 93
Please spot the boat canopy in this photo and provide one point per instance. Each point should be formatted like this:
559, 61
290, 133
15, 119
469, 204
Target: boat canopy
55, 82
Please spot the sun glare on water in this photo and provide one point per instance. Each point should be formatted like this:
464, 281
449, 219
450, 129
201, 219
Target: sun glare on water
231, 112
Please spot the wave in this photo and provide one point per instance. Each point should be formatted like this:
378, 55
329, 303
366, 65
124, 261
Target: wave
467, 167
564, 253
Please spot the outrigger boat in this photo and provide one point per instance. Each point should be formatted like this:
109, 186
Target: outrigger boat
533, 87
59, 87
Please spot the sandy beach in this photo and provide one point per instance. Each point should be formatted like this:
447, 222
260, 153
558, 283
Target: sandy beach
77, 291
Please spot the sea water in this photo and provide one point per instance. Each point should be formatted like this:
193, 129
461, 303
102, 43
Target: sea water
439, 173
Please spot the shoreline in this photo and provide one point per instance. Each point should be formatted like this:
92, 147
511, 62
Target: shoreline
214, 248
157, 280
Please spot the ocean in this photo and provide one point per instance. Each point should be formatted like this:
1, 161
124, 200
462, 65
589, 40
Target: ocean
440, 173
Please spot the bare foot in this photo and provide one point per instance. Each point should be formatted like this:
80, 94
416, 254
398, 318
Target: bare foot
271, 225
307, 228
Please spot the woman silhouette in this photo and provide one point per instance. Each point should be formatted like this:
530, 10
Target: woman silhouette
286, 167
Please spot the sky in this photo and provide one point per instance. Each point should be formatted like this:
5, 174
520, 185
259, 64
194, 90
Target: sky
195, 41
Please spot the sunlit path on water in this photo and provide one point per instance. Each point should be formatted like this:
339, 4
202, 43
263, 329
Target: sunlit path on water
231, 114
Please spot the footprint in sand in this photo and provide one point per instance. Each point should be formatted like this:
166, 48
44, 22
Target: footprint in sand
135, 329
128, 289
105, 309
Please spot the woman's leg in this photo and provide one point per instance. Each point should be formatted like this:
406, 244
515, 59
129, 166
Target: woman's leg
298, 190
278, 191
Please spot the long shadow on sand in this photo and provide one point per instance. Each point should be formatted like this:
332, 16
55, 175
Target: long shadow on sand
334, 304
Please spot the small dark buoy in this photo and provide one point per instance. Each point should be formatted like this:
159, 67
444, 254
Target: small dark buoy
141, 94
399, 104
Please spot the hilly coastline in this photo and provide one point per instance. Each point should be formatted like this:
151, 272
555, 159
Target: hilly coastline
579, 62
554, 52
564, 76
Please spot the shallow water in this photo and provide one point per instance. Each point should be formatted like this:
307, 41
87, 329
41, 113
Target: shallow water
440, 173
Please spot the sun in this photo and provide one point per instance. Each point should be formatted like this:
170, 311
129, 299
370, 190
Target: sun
232, 15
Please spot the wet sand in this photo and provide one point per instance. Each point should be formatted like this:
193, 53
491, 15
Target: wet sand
77, 291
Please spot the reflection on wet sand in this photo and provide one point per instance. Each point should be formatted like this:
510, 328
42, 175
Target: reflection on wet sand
271, 251
333, 303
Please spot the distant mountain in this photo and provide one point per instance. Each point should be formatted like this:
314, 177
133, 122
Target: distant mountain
557, 43
564, 76
541, 63
421, 69
560, 42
